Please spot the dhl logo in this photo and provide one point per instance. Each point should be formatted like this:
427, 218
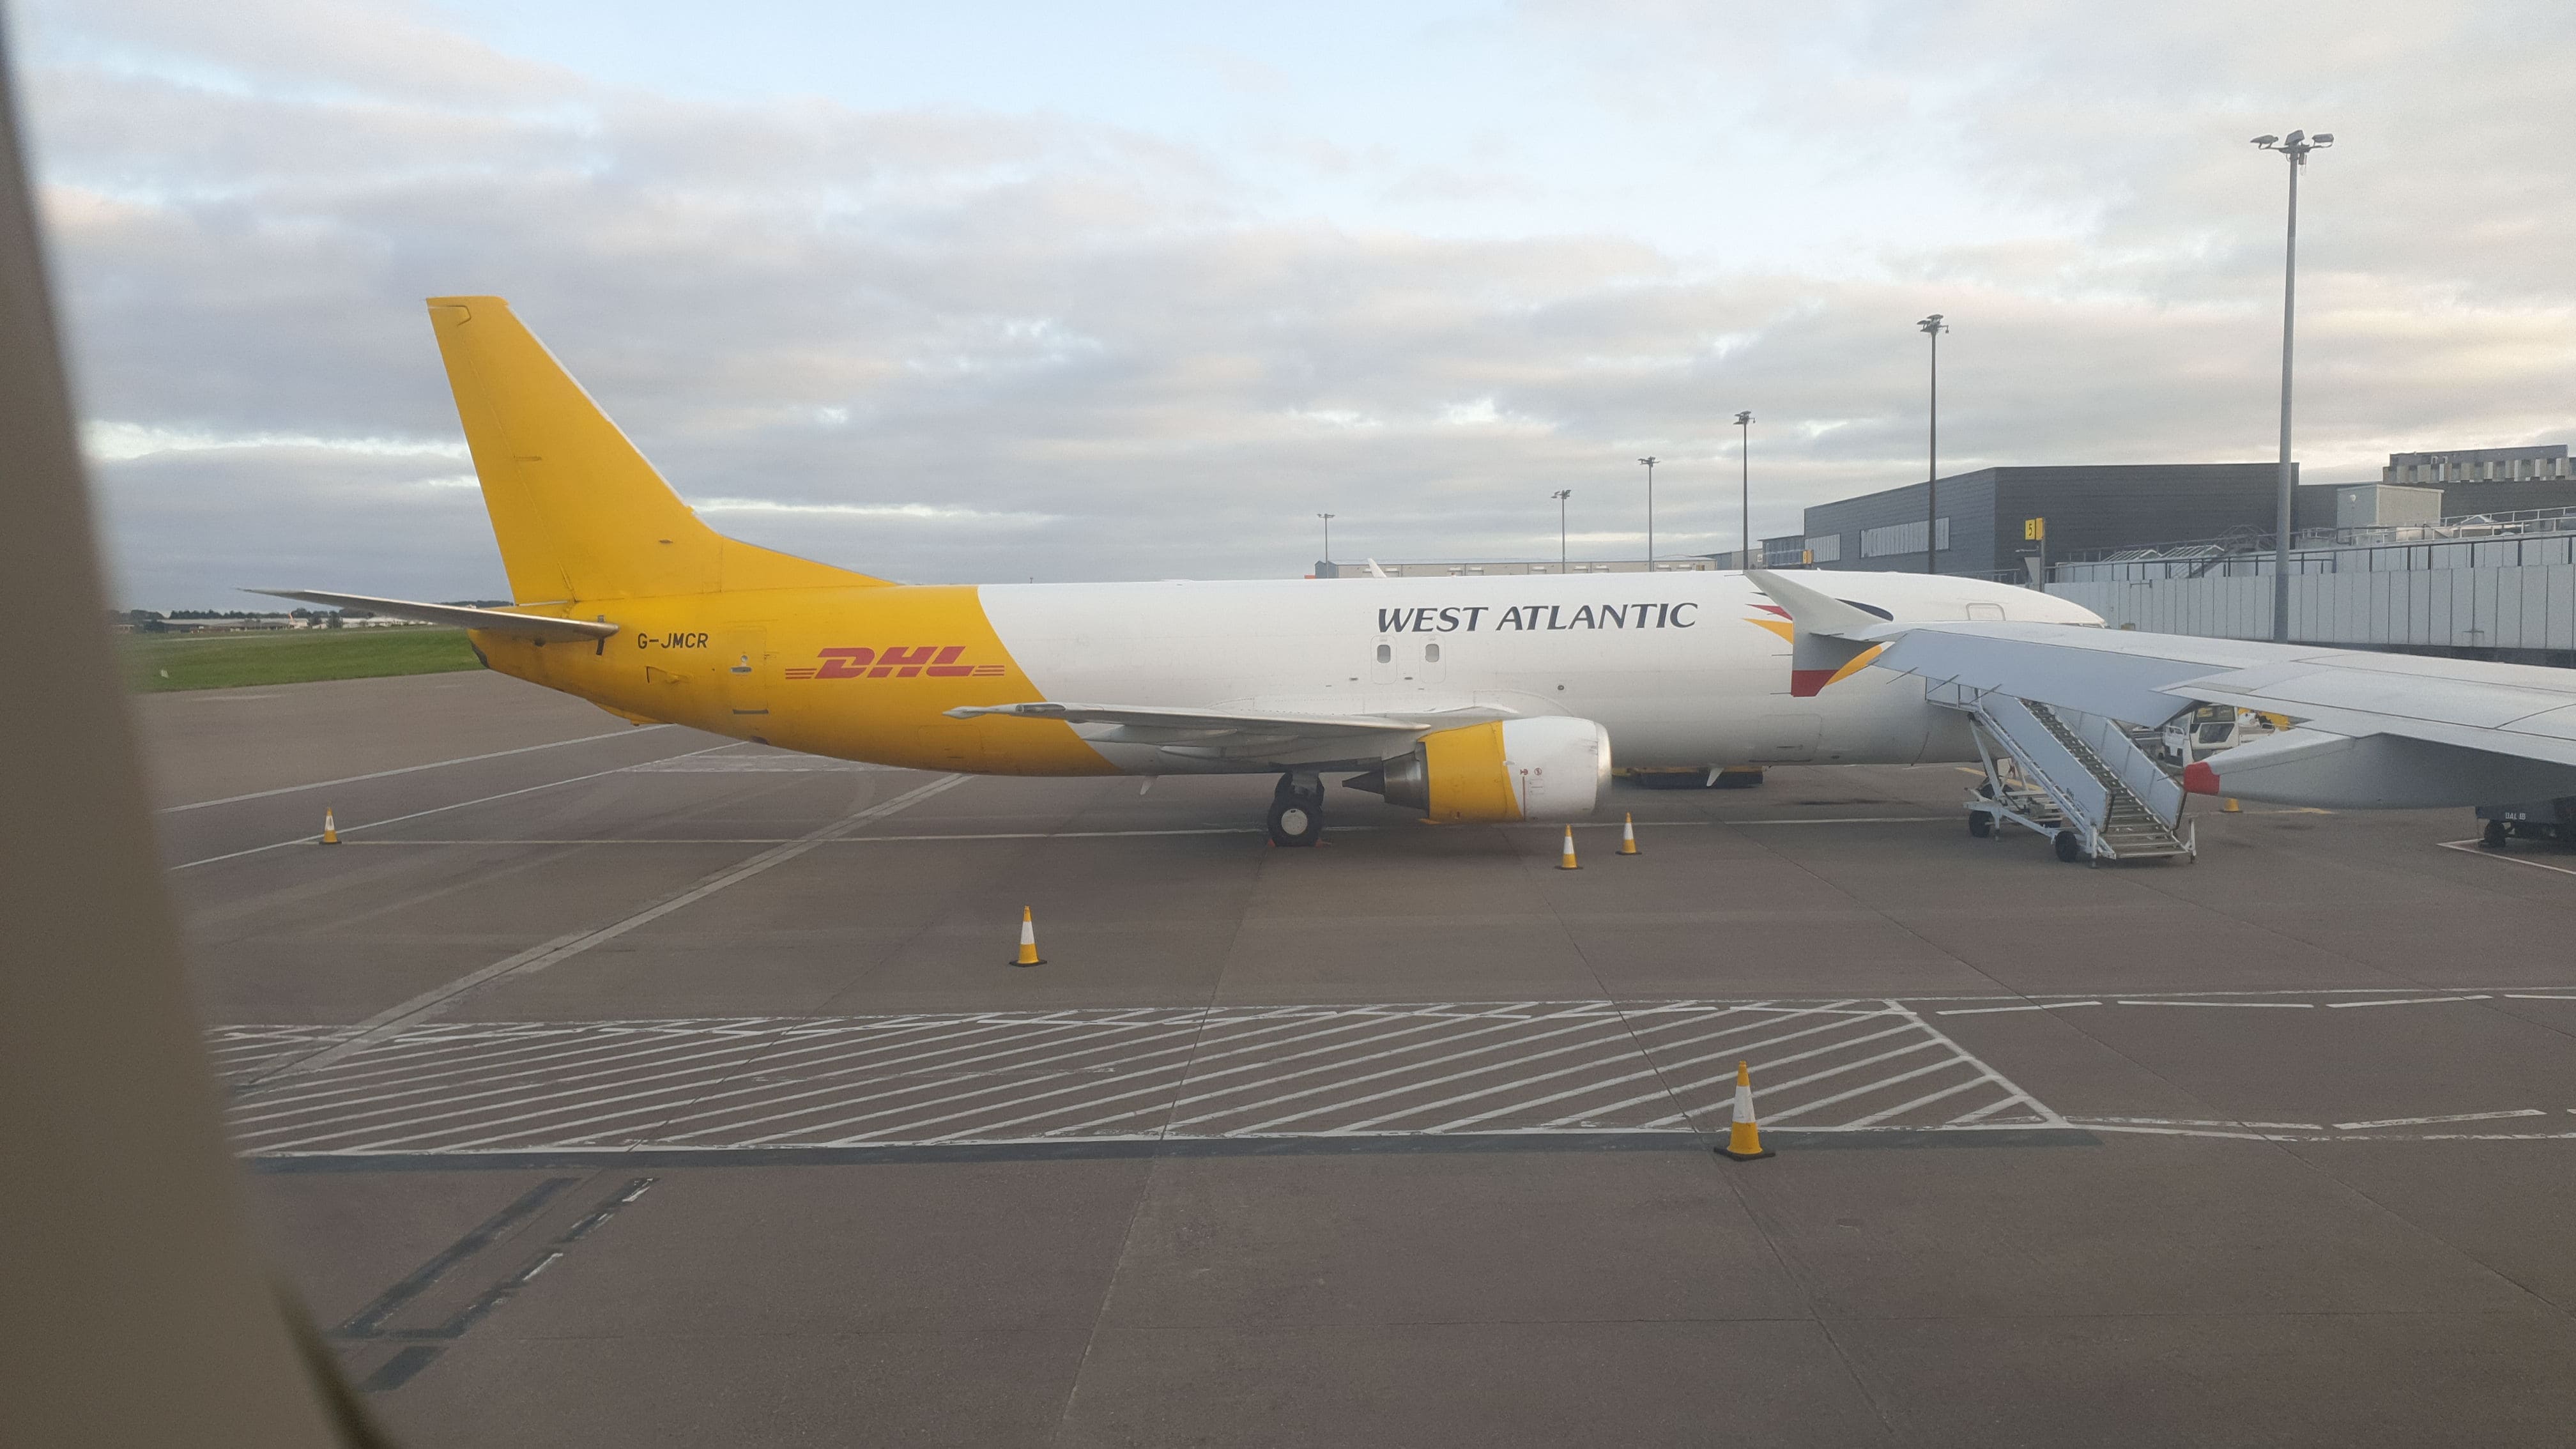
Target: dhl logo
937, 661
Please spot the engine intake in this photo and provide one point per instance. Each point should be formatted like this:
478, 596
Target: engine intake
1553, 768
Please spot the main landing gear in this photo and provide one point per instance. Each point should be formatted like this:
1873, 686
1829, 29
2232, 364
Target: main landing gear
1297, 809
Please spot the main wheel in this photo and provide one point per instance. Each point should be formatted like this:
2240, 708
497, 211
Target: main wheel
1980, 824
1296, 821
2070, 848
2495, 835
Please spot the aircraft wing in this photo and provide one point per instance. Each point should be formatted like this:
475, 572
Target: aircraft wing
498, 621
1248, 734
2370, 729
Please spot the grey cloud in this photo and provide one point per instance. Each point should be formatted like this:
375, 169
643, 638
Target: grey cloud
916, 332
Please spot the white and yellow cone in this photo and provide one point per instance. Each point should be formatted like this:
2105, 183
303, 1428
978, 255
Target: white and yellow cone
1566, 861
330, 827
1628, 835
1028, 941
1744, 1138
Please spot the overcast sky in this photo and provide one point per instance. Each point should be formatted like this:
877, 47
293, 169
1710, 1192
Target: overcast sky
985, 292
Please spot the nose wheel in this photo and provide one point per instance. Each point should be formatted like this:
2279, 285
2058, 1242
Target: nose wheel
1297, 810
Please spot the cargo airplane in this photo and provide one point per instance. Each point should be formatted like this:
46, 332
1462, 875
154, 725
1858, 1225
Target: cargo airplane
1467, 699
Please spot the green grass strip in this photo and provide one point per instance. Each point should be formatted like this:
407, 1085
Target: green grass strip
154, 663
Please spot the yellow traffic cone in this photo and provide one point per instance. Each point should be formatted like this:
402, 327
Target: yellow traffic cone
1566, 862
1628, 836
2231, 807
1028, 941
330, 828
1744, 1138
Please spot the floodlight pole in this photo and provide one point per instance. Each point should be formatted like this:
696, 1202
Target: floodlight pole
2296, 147
1328, 536
1560, 496
1933, 327
1744, 456
1650, 513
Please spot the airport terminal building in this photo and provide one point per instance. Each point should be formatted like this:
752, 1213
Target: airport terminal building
2096, 509
2088, 507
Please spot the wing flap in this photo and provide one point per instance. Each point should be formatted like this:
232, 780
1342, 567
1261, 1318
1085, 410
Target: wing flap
1246, 734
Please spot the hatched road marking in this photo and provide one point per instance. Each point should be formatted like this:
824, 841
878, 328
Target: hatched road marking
1107, 1075
1180, 1074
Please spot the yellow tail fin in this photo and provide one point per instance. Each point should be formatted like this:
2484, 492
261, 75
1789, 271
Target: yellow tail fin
578, 512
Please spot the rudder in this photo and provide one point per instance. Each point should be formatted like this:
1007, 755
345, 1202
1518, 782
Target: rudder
577, 510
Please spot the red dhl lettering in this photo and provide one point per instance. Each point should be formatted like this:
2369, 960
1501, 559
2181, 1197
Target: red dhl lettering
895, 661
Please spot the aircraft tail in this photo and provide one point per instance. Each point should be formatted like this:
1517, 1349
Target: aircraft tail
578, 511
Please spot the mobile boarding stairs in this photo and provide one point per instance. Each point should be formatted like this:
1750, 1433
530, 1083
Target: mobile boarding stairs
2080, 779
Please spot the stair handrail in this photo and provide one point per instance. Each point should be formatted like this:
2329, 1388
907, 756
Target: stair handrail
2090, 828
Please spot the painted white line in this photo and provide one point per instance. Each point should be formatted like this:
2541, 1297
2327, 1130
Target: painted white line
2437, 1121
1049, 1037
628, 733
1621, 1047
1778, 1087
2529, 996
1023, 1073
1874, 1118
1262, 1022
1832, 820
1186, 1050
2404, 1001
2171, 1131
2046, 1112
734, 1054
393, 1020
931, 1077
1587, 1024
2195, 1122
1868, 1087
1020, 1079
1199, 1078
1991, 1010
1740, 1051
1637, 1051
417, 814
1981, 1113
2471, 847
1032, 834
2250, 1005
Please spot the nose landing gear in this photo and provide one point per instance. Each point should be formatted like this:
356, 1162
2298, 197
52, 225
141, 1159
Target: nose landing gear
1297, 809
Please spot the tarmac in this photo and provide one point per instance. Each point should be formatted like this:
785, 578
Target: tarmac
620, 1086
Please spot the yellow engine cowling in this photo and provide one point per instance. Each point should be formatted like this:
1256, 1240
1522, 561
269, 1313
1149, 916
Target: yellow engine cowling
1516, 769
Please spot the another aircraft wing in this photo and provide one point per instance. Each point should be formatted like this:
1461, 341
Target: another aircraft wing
2371, 729
498, 621
1248, 734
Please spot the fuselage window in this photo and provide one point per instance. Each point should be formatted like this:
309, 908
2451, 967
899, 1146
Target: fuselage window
1386, 654
1431, 653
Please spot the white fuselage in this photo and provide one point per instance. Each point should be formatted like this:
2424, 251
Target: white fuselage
1681, 668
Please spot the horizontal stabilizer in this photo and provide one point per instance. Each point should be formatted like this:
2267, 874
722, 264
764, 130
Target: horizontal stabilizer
495, 621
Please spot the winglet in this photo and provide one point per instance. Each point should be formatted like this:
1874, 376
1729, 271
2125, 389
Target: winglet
1820, 613
1833, 638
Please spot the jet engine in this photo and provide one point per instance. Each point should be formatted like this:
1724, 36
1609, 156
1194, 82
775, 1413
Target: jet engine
1553, 768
